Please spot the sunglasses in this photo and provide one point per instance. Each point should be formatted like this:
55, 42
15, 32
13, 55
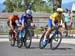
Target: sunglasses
60, 12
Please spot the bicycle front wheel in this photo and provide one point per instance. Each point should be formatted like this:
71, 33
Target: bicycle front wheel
27, 39
56, 40
40, 43
12, 42
12, 38
19, 40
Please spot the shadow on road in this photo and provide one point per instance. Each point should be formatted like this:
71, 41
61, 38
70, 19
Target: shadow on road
58, 49
47, 48
64, 48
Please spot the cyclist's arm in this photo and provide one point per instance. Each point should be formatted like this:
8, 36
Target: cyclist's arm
31, 19
11, 25
23, 24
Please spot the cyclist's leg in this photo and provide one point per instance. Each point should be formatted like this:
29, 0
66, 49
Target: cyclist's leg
10, 31
21, 33
49, 28
44, 41
14, 27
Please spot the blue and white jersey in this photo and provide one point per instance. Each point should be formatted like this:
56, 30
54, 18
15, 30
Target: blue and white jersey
24, 18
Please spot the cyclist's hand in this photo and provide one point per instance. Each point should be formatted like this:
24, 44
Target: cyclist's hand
32, 24
14, 31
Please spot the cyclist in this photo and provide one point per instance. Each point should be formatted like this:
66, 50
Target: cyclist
54, 18
12, 23
25, 21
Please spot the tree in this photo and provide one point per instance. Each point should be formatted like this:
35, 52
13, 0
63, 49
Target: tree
56, 4
35, 5
9, 6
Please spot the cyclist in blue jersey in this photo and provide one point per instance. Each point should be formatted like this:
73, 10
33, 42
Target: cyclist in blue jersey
25, 21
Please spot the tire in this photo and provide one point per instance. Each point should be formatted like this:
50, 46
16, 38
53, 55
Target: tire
42, 37
19, 41
55, 38
12, 42
27, 39
13, 39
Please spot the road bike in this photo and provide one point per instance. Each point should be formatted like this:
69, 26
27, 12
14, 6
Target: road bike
26, 38
54, 38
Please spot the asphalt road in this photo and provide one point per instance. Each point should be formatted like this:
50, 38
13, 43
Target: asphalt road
65, 49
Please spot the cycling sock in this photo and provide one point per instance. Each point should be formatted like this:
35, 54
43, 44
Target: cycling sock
44, 38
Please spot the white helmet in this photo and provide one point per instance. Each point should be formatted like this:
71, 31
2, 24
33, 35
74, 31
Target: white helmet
29, 12
59, 10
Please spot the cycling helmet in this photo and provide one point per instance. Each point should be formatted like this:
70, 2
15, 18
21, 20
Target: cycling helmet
29, 12
59, 10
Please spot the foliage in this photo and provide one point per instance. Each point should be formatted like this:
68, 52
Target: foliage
35, 5
38, 31
9, 6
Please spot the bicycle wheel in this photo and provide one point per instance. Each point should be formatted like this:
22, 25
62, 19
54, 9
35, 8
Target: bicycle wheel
40, 43
19, 41
27, 39
55, 40
13, 39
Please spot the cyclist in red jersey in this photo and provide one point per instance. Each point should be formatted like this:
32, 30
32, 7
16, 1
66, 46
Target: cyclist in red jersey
12, 22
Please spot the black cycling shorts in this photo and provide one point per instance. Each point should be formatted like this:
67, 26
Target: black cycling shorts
13, 24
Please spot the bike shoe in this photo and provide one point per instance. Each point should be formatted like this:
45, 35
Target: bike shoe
43, 43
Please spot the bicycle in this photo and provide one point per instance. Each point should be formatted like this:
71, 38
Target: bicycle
54, 38
26, 38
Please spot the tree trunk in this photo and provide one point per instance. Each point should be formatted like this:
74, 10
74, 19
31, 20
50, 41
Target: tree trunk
56, 4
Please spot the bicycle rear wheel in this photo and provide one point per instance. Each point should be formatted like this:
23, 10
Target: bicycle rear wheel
12, 38
27, 39
55, 40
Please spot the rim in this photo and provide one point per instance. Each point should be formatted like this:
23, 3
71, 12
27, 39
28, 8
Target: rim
56, 41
